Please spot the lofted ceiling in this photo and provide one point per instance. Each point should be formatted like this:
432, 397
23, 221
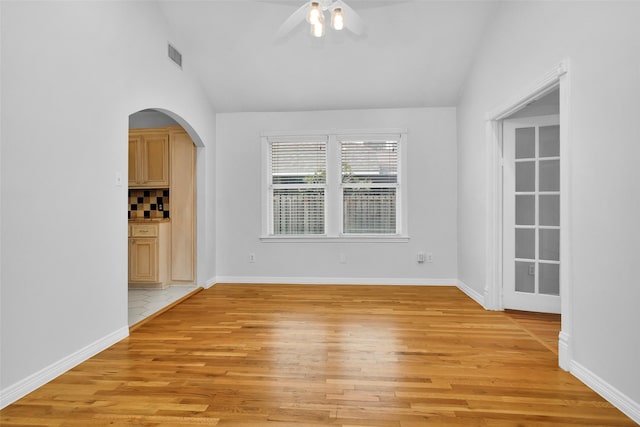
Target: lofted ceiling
413, 54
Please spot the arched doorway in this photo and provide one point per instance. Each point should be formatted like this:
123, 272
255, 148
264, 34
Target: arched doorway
161, 203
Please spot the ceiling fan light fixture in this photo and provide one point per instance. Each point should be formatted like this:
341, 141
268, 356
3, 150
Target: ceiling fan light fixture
317, 29
337, 19
313, 12
314, 15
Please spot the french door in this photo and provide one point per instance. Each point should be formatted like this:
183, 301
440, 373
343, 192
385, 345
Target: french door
531, 215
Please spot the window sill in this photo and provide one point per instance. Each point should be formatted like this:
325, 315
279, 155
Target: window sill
332, 239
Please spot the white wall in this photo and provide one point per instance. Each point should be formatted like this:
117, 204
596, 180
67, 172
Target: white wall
431, 187
150, 119
72, 73
601, 41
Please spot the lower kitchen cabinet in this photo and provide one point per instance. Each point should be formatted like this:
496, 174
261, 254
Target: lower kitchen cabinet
148, 254
143, 260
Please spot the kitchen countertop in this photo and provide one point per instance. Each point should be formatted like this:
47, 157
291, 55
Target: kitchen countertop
147, 220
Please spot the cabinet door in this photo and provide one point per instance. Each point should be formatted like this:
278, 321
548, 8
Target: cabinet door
143, 260
183, 218
155, 161
134, 160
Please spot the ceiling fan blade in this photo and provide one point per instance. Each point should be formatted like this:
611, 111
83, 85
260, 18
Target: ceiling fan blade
352, 20
292, 21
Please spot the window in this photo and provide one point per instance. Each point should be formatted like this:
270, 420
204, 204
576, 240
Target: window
369, 184
298, 186
334, 186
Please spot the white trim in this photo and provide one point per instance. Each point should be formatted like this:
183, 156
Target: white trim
564, 359
548, 83
209, 283
378, 238
32, 382
266, 201
336, 132
403, 181
333, 196
304, 138
493, 241
566, 283
336, 281
611, 394
471, 293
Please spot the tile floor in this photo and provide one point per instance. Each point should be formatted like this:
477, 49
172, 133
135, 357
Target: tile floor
144, 302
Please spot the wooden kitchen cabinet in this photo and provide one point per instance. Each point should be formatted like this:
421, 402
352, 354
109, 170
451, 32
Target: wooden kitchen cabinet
149, 254
148, 159
183, 214
134, 160
143, 260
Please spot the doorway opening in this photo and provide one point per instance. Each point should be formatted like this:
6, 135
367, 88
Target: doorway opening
161, 214
540, 266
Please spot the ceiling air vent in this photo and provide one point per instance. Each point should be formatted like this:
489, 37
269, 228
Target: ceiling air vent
175, 56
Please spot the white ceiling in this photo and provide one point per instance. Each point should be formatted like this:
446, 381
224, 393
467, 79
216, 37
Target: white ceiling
413, 54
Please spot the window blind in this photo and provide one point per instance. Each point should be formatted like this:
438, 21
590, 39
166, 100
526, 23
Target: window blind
298, 181
369, 186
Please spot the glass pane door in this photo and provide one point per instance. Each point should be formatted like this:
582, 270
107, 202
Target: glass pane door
531, 214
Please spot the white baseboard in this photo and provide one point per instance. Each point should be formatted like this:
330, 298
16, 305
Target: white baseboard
607, 391
336, 281
23, 387
471, 293
564, 355
209, 283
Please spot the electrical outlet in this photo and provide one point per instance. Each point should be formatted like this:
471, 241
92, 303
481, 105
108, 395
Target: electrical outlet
421, 257
252, 257
342, 258
429, 257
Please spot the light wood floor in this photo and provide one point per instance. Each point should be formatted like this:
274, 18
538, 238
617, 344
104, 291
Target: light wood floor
282, 355
544, 327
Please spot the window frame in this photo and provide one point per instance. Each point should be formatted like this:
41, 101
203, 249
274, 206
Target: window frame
396, 185
333, 186
289, 186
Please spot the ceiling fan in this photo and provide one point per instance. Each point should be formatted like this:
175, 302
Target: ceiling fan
341, 14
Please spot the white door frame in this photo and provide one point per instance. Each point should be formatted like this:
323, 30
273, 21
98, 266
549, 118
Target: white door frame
556, 78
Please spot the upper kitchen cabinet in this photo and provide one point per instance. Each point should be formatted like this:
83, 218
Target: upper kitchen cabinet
134, 167
148, 159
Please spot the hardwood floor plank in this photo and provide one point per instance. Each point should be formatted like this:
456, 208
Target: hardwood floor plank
286, 355
544, 327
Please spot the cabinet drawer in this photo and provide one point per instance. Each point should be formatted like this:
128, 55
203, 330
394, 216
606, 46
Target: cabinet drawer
144, 230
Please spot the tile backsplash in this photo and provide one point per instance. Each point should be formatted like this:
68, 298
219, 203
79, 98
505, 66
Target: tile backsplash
149, 204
